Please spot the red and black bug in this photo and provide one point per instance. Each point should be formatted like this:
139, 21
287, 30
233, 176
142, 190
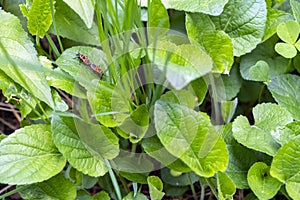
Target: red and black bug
84, 59
87, 62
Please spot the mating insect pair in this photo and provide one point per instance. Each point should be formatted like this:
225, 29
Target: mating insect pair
88, 63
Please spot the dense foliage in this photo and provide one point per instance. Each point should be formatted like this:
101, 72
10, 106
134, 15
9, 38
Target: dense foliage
127, 99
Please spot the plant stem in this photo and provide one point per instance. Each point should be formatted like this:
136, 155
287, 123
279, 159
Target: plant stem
53, 46
113, 179
202, 195
18, 189
192, 186
212, 187
54, 25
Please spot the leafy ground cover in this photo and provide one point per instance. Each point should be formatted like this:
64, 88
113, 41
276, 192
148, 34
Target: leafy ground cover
157, 99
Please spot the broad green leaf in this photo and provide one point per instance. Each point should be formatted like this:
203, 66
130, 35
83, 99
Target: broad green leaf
213, 7
244, 22
260, 71
68, 142
288, 31
200, 88
261, 182
289, 132
69, 62
29, 156
232, 83
295, 5
67, 21
135, 126
217, 43
286, 50
132, 196
62, 80
226, 187
286, 166
181, 97
138, 164
58, 187
85, 9
155, 149
109, 104
135, 177
285, 90
155, 188
274, 18
187, 62
181, 180
268, 118
18, 59
188, 135
240, 158
39, 18
157, 17
101, 196
99, 140
264, 52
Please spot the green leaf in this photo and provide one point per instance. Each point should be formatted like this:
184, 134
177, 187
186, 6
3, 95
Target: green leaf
67, 21
19, 60
260, 71
101, 196
68, 142
264, 52
138, 164
216, 43
69, 62
2, 136
158, 15
295, 5
109, 104
285, 166
226, 187
62, 80
268, 118
286, 50
285, 90
57, 187
135, 177
244, 22
289, 132
199, 87
99, 140
155, 187
261, 182
85, 9
188, 135
181, 180
187, 62
29, 156
132, 196
155, 149
213, 7
288, 31
182, 97
274, 18
135, 126
39, 18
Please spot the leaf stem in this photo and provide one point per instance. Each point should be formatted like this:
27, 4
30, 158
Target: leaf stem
113, 179
18, 189
53, 46
54, 25
192, 186
202, 195
212, 187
